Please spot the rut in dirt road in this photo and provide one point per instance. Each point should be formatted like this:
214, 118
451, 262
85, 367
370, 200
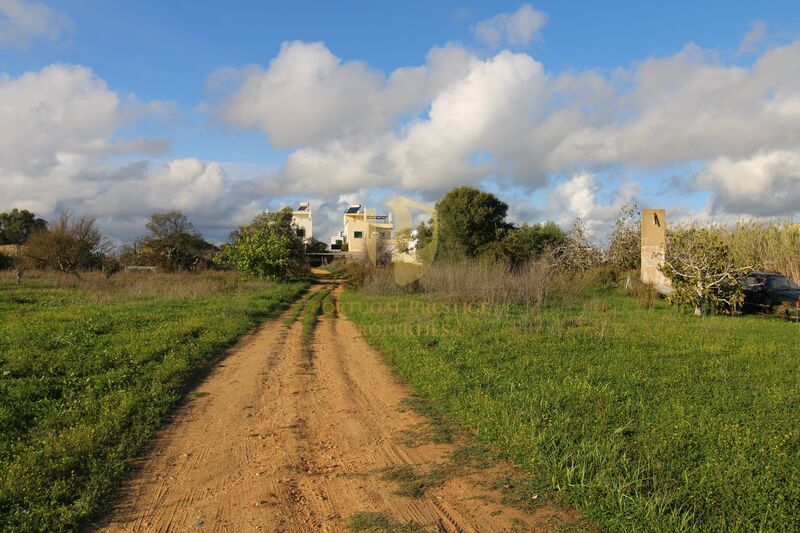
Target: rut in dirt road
275, 441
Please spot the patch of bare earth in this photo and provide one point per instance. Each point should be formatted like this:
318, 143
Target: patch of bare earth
282, 438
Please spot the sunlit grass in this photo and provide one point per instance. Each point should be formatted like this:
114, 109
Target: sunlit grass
89, 370
648, 419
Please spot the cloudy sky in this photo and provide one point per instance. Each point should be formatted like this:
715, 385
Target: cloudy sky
563, 109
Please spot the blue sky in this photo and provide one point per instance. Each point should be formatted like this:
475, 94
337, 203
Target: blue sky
163, 62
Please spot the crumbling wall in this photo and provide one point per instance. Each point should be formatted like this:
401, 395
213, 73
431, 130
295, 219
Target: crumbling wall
654, 247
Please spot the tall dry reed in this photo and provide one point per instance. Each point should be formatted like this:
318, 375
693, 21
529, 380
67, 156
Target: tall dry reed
471, 282
771, 246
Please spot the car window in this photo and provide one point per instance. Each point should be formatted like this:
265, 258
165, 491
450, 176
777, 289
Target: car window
781, 283
752, 282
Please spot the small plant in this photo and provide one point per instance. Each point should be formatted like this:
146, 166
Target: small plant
645, 293
371, 522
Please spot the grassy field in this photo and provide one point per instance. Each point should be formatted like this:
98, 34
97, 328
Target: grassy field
647, 419
89, 369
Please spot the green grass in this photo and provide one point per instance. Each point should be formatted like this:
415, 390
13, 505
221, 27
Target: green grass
652, 420
87, 376
366, 522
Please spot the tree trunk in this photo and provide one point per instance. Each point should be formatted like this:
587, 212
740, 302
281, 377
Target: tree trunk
18, 264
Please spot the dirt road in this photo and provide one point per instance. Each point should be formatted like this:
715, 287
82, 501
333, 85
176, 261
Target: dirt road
286, 437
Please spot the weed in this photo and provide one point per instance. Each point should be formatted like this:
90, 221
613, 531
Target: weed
367, 522
414, 484
474, 456
436, 428
525, 494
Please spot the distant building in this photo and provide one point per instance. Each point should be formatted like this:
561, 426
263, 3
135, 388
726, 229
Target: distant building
301, 219
360, 226
337, 241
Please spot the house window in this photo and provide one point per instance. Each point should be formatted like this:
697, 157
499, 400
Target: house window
358, 234
301, 232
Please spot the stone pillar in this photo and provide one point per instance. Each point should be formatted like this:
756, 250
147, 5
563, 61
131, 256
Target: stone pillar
654, 247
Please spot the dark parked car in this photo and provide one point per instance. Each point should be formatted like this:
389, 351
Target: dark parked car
769, 292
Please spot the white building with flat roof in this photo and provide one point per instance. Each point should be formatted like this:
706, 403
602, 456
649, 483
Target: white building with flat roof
301, 219
360, 226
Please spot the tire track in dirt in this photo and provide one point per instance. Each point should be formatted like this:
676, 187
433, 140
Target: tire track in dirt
273, 443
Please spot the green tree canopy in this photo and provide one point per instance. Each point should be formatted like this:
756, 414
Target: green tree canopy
469, 221
526, 242
267, 247
17, 225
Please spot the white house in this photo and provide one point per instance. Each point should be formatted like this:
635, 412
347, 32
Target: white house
301, 219
359, 227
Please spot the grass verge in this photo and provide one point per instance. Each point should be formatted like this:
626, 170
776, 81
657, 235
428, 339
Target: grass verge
647, 419
86, 378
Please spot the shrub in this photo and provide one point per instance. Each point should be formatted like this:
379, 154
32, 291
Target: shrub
578, 252
267, 247
6, 262
702, 270
69, 245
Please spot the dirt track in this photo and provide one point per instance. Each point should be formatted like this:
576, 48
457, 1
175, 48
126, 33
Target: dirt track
283, 438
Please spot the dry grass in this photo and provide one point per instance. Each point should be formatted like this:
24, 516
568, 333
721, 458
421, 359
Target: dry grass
771, 246
142, 285
470, 282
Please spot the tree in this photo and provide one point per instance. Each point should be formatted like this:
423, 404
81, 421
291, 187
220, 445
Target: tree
314, 246
16, 227
423, 236
578, 252
624, 247
267, 247
174, 244
169, 224
469, 220
703, 274
69, 245
521, 244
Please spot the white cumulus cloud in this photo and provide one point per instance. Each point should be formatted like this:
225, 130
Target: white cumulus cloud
24, 21
766, 184
518, 28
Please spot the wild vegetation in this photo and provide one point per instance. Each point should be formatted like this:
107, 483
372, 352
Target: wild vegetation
613, 400
90, 366
267, 247
647, 419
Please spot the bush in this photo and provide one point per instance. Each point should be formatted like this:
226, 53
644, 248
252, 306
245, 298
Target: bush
267, 247
702, 271
6, 262
578, 252
69, 245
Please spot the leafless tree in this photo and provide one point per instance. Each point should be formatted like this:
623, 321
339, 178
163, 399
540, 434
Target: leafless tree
71, 244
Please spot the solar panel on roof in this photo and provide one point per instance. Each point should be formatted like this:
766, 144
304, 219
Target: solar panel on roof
351, 210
